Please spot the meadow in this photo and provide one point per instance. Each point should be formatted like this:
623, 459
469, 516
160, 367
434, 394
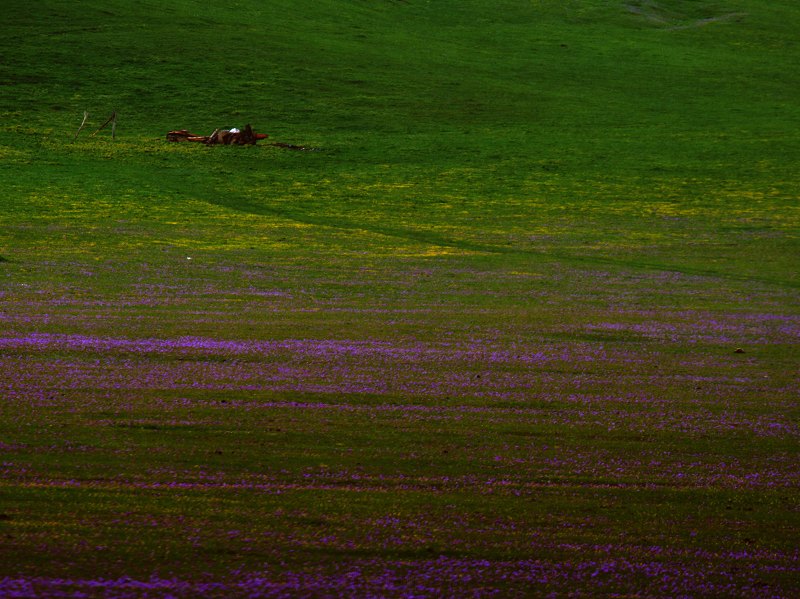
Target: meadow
523, 321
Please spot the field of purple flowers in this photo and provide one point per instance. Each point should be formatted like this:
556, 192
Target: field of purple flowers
456, 425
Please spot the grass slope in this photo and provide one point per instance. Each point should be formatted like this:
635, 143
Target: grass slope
484, 335
672, 119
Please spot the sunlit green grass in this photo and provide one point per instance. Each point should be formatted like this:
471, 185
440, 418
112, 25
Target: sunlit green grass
612, 185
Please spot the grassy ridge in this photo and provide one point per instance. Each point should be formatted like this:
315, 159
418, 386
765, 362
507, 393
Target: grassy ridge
659, 116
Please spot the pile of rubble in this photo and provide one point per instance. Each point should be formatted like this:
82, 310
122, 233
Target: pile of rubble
225, 137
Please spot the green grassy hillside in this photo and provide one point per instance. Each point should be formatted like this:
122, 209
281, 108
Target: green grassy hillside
524, 320
593, 120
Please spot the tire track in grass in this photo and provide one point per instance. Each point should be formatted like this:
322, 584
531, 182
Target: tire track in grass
242, 204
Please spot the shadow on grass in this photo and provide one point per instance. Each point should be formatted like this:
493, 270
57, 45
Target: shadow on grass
245, 205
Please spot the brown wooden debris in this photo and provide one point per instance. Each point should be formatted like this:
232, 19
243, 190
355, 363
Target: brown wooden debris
226, 137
